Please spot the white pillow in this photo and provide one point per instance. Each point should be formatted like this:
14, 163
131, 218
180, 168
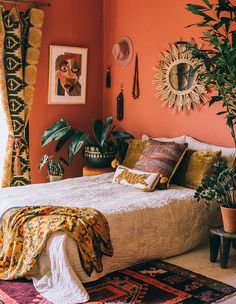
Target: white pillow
178, 139
228, 154
135, 178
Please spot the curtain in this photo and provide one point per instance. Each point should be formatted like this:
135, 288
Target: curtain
20, 41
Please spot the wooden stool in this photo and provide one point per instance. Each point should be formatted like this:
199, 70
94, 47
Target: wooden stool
222, 240
89, 171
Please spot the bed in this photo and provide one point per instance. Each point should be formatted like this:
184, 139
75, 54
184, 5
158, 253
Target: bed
143, 226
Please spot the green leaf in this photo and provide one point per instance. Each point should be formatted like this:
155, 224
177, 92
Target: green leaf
214, 99
196, 7
97, 129
122, 148
78, 141
226, 21
56, 132
62, 159
122, 135
44, 159
64, 139
106, 129
222, 112
208, 4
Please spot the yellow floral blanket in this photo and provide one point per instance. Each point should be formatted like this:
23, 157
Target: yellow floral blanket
24, 232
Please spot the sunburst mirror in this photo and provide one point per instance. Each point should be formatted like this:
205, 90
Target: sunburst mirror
176, 78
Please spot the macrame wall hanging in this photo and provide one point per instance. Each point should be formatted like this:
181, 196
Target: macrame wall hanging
120, 104
136, 89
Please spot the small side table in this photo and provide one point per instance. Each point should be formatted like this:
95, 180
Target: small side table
222, 240
89, 171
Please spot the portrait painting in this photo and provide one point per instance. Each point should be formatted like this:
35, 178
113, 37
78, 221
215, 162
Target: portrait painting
67, 75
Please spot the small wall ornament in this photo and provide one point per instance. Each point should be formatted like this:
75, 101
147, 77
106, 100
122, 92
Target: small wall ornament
120, 104
176, 79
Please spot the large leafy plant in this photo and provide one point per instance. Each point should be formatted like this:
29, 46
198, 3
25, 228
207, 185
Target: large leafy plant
220, 186
104, 137
218, 20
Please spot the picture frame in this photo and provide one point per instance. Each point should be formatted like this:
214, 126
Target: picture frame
67, 75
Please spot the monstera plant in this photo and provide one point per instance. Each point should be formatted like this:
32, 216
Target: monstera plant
218, 19
100, 149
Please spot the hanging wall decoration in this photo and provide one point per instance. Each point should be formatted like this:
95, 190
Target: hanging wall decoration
176, 79
123, 51
108, 77
67, 75
120, 104
136, 89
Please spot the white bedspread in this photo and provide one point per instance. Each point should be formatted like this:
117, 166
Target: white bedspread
143, 226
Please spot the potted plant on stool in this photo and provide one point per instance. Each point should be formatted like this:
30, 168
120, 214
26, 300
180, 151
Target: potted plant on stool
100, 149
55, 168
220, 187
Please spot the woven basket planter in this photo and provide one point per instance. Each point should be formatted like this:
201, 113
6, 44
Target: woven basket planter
55, 178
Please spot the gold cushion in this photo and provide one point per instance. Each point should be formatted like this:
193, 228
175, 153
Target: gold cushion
135, 149
194, 166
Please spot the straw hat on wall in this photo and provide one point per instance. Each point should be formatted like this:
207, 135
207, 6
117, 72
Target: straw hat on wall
123, 51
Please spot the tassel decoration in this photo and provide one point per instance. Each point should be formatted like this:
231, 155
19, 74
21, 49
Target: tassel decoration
120, 105
136, 88
17, 165
108, 77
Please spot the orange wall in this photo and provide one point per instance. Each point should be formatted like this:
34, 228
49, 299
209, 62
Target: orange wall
152, 25
71, 23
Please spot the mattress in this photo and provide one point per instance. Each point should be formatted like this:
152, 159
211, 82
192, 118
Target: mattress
143, 226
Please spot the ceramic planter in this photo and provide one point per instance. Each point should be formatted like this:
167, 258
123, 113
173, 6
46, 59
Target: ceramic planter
229, 219
55, 178
96, 159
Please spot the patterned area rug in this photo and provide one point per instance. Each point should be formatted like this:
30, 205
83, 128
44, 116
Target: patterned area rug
154, 282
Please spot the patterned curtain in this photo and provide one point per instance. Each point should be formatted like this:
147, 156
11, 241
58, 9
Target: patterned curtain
20, 40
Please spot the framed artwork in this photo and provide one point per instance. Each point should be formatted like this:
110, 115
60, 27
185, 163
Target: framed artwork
67, 75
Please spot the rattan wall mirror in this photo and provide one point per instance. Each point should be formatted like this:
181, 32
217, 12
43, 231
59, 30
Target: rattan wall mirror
175, 79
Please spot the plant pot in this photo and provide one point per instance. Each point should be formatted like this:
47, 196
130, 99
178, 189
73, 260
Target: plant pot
229, 219
55, 178
96, 159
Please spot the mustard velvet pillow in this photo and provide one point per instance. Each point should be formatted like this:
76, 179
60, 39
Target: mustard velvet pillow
135, 149
194, 166
142, 180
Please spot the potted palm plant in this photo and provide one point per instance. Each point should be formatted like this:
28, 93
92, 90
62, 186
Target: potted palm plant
100, 149
55, 168
218, 18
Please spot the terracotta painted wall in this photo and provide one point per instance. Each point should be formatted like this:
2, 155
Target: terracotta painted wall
71, 23
152, 24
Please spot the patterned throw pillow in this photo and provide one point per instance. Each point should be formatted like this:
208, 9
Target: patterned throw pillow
142, 180
194, 167
162, 158
135, 149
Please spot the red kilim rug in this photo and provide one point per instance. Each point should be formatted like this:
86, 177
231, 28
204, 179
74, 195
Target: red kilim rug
154, 282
